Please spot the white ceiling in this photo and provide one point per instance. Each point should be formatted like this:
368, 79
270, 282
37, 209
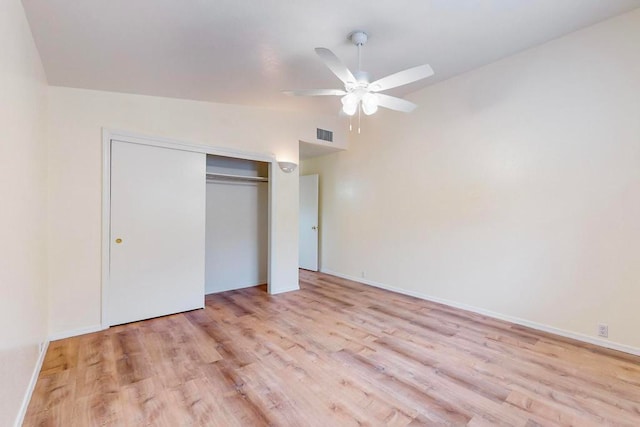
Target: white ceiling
246, 52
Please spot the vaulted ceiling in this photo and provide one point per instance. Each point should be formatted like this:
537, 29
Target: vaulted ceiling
246, 52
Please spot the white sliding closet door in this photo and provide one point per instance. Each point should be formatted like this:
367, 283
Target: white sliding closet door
157, 232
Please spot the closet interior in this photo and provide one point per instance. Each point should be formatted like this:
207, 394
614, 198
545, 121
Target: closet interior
237, 222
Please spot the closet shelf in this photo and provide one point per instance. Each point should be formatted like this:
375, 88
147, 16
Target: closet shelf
211, 175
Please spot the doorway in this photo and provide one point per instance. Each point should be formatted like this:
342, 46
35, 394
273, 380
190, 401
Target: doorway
308, 223
237, 220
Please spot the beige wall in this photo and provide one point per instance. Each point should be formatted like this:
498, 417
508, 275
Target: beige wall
514, 188
237, 235
22, 201
74, 175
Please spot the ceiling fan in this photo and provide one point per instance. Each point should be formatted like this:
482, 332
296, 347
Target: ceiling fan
358, 91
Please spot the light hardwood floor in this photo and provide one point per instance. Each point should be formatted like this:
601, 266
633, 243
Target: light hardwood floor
336, 353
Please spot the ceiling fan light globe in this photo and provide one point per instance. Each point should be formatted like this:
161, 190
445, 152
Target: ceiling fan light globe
350, 109
369, 109
370, 98
349, 99
369, 103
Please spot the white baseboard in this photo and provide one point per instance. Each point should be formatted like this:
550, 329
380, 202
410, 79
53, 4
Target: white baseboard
32, 384
76, 332
233, 288
282, 291
523, 322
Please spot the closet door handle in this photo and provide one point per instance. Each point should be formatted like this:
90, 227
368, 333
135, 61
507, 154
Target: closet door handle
314, 228
118, 240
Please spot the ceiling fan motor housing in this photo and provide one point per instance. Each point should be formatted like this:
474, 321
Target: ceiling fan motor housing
358, 38
362, 77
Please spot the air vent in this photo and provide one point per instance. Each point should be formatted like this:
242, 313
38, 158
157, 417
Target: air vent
324, 135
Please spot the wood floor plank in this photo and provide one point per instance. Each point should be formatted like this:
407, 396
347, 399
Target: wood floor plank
61, 356
335, 353
55, 399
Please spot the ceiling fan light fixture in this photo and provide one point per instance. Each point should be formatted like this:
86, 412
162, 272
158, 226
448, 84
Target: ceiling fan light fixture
350, 98
369, 103
369, 109
350, 109
350, 103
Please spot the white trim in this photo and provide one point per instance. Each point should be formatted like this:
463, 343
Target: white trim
106, 224
231, 288
32, 385
110, 134
75, 332
282, 291
270, 222
157, 141
523, 322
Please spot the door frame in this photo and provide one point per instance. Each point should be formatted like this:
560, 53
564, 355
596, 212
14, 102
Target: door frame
124, 136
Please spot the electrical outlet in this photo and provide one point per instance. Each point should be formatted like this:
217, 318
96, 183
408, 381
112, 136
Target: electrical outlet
603, 330
362, 274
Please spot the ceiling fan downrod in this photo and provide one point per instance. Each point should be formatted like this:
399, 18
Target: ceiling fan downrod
359, 38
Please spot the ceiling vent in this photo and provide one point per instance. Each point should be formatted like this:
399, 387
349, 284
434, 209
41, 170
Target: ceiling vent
324, 135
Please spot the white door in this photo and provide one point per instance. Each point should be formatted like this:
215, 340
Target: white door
157, 232
308, 234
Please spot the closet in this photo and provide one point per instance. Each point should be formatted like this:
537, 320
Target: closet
179, 222
237, 222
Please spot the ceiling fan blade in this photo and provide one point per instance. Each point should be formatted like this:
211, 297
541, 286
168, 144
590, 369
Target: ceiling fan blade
393, 103
402, 78
315, 92
335, 65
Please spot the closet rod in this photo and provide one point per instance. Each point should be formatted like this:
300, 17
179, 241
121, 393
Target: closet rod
237, 177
